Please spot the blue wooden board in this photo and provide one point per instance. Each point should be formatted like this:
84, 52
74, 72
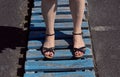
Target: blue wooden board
37, 3
68, 16
59, 11
38, 12
63, 43
60, 16
62, 74
56, 20
58, 26
59, 65
34, 54
58, 34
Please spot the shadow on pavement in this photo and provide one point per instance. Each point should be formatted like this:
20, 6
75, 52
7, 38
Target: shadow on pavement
13, 43
12, 37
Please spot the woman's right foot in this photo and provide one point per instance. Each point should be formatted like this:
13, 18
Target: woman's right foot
48, 46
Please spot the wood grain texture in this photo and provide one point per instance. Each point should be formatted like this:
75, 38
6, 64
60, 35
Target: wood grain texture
59, 65
59, 11
62, 74
60, 16
61, 3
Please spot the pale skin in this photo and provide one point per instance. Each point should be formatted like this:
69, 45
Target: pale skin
49, 12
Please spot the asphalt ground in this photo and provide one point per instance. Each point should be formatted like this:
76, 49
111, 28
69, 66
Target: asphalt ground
105, 33
13, 36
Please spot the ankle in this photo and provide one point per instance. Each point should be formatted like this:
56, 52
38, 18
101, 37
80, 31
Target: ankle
50, 33
77, 33
50, 37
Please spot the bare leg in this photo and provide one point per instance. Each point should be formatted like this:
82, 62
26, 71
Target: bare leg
77, 10
49, 12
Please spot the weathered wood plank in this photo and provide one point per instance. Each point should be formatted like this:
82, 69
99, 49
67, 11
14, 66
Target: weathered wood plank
33, 35
34, 54
38, 12
58, 26
39, 17
38, 4
65, 3
62, 74
68, 16
56, 20
63, 43
59, 2
59, 65
59, 11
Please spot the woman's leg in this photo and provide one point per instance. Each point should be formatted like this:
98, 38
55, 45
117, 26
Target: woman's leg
77, 10
49, 12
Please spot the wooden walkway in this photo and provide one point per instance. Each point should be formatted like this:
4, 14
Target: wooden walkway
62, 65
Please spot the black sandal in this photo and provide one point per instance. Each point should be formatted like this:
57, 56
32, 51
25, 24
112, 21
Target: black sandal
81, 49
45, 49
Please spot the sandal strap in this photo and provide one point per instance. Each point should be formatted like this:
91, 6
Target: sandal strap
81, 49
50, 34
77, 33
49, 50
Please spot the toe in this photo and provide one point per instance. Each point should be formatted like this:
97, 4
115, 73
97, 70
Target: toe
78, 54
51, 54
47, 53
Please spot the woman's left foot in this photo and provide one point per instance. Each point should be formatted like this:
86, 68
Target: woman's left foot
78, 46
